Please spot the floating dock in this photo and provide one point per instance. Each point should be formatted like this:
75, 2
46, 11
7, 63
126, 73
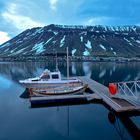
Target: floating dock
63, 100
118, 105
99, 92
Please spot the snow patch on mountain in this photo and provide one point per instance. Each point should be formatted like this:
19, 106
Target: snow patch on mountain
12, 51
6, 50
25, 38
55, 33
88, 44
138, 41
103, 36
19, 41
132, 38
54, 42
114, 53
19, 51
130, 44
83, 33
86, 52
39, 48
5, 45
81, 38
134, 28
126, 39
111, 28
73, 52
38, 31
62, 41
125, 33
28, 33
102, 47
48, 40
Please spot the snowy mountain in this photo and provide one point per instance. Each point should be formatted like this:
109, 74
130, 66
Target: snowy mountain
81, 40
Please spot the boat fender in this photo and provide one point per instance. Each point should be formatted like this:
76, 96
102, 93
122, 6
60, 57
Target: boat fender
112, 88
30, 91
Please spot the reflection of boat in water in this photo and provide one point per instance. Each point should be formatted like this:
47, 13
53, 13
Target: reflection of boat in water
49, 80
67, 89
123, 122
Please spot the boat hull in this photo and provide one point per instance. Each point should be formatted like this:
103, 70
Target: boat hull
47, 84
57, 91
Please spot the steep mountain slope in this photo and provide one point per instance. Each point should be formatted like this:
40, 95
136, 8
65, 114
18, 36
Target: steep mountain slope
81, 40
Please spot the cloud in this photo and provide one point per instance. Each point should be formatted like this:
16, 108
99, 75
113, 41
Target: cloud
97, 21
3, 37
21, 22
12, 8
53, 4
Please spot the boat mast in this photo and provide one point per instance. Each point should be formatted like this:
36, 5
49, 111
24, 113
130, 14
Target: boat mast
67, 63
56, 67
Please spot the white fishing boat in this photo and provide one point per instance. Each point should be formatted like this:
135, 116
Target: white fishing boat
48, 79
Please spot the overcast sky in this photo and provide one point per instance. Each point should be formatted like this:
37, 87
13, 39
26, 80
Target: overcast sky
19, 15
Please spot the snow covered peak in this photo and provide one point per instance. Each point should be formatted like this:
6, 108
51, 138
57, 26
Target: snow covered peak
99, 28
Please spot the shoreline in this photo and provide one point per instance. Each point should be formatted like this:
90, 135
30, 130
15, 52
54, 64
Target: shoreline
71, 59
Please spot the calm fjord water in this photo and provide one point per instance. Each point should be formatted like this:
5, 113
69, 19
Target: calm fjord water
85, 121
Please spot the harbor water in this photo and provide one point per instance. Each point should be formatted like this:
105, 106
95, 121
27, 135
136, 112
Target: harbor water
82, 121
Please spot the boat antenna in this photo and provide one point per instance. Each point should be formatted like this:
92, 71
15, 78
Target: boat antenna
56, 67
67, 63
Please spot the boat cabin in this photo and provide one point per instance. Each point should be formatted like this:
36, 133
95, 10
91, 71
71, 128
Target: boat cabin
55, 76
47, 75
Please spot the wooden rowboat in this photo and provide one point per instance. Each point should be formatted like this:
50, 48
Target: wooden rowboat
58, 90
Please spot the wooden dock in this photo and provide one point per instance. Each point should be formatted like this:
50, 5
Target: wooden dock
118, 105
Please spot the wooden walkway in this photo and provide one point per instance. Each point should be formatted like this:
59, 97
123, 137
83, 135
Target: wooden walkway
118, 105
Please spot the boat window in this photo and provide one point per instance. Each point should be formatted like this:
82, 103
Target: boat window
55, 76
45, 77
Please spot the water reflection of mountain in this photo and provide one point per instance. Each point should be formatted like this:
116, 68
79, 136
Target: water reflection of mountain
103, 72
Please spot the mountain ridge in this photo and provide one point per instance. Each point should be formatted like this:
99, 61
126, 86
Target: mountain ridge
81, 40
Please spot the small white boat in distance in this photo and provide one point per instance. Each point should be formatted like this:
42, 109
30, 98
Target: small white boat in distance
49, 80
